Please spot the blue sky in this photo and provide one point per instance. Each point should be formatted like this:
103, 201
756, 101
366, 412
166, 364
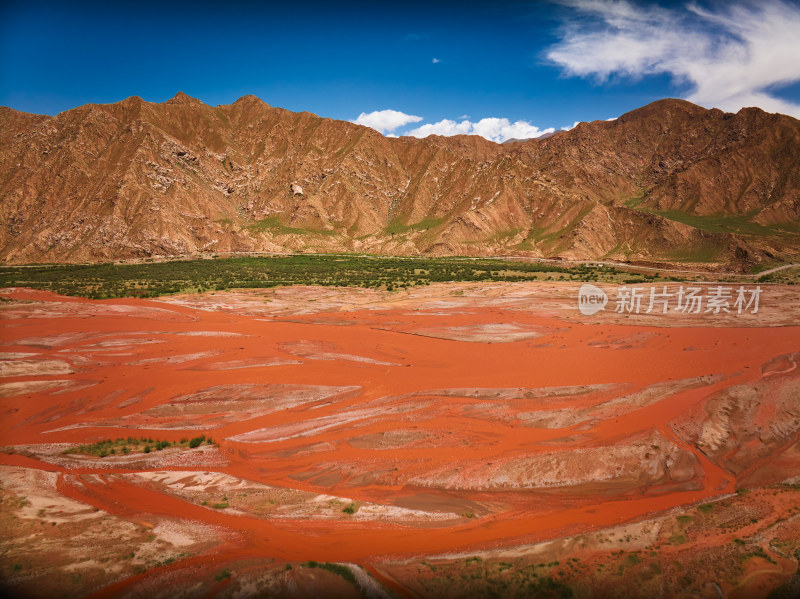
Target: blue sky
493, 68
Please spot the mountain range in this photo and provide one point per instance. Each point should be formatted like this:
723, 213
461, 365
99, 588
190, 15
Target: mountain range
670, 182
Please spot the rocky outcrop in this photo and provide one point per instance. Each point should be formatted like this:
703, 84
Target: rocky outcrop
668, 182
749, 428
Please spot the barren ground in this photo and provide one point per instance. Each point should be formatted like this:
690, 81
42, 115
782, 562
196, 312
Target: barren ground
450, 440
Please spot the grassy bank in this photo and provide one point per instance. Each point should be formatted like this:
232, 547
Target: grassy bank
101, 281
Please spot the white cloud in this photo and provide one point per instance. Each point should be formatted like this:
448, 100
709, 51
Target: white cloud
731, 57
444, 127
436, 61
386, 121
570, 127
493, 129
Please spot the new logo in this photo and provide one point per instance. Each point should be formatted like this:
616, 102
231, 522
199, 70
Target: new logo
591, 299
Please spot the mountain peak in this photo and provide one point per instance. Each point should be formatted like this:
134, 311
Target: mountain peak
664, 107
182, 98
250, 99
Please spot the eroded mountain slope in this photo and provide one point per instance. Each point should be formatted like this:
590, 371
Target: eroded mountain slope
668, 182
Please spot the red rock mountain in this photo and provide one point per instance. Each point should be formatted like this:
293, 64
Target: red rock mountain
669, 182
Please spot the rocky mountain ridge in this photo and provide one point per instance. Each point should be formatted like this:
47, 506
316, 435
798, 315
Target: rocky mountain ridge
669, 182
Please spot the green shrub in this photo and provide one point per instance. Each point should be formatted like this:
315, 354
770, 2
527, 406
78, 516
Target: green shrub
342, 571
678, 539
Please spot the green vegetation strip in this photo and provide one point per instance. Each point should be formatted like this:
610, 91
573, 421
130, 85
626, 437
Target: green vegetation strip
339, 569
125, 446
151, 279
739, 224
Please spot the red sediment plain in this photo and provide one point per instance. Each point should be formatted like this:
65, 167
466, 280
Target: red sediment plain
446, 425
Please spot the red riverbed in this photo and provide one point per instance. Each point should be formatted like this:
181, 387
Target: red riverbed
130, 368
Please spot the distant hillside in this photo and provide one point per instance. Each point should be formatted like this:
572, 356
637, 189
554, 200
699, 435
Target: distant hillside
669, 182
